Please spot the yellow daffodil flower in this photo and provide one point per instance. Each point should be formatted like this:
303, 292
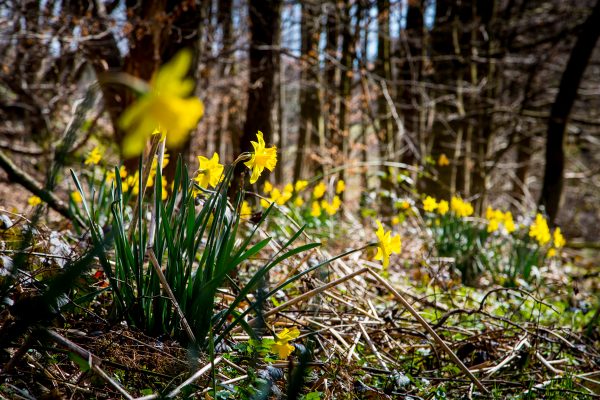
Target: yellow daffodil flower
76, 197
300, 185
261, 158
167, 104
539, 230
460, 207
443, 160
267, 187
209, 171
443, 207
94, 156
315, 210
386, 245
558, 238
333, 207
430, 204
281, 345
34, 201
319, 190
340, 186
245, 210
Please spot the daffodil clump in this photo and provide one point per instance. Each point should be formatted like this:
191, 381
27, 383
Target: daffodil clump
312, 204
494, 243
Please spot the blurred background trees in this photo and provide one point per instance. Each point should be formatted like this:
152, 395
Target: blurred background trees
468, 92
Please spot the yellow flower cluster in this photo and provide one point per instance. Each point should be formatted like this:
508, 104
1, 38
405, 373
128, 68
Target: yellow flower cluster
281, 346
131, 182
458, 206
318, 206
279, 197
539, 230
496, 217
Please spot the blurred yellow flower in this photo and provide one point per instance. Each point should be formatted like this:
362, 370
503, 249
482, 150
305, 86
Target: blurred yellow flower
76, 197
164, 193
340, 186
300, 185
443, 207
267, 187
319, 190
395, 220
34, 201
245, 210
460, 207
559, 240
281, 345
443, 160
298, 202
94, 156
430, 204
167, 104
209, 171
551, 252
509, 223
387, 245
315, 210
539, 230
261, 158
333, 207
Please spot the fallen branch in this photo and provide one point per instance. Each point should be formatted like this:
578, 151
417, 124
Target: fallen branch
28, 182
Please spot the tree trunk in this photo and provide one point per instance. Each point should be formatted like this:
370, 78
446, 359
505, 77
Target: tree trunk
561, 109
264, 61
308, 130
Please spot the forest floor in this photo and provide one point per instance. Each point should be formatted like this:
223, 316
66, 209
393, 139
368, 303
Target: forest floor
537, 340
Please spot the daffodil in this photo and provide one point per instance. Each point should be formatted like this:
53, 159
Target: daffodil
281, 345
333, 207
539, 230
262, 157
209, 171
558, 238
166, 104
245, 210
443, 207
315, 209
34, 201
386, 245
76, 197
443, 160
94, 156
460, 207
430, 204
340, 186
300, 185
319, 190
267, 187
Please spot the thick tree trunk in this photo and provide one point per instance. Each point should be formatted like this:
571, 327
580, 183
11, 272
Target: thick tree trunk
561, 109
